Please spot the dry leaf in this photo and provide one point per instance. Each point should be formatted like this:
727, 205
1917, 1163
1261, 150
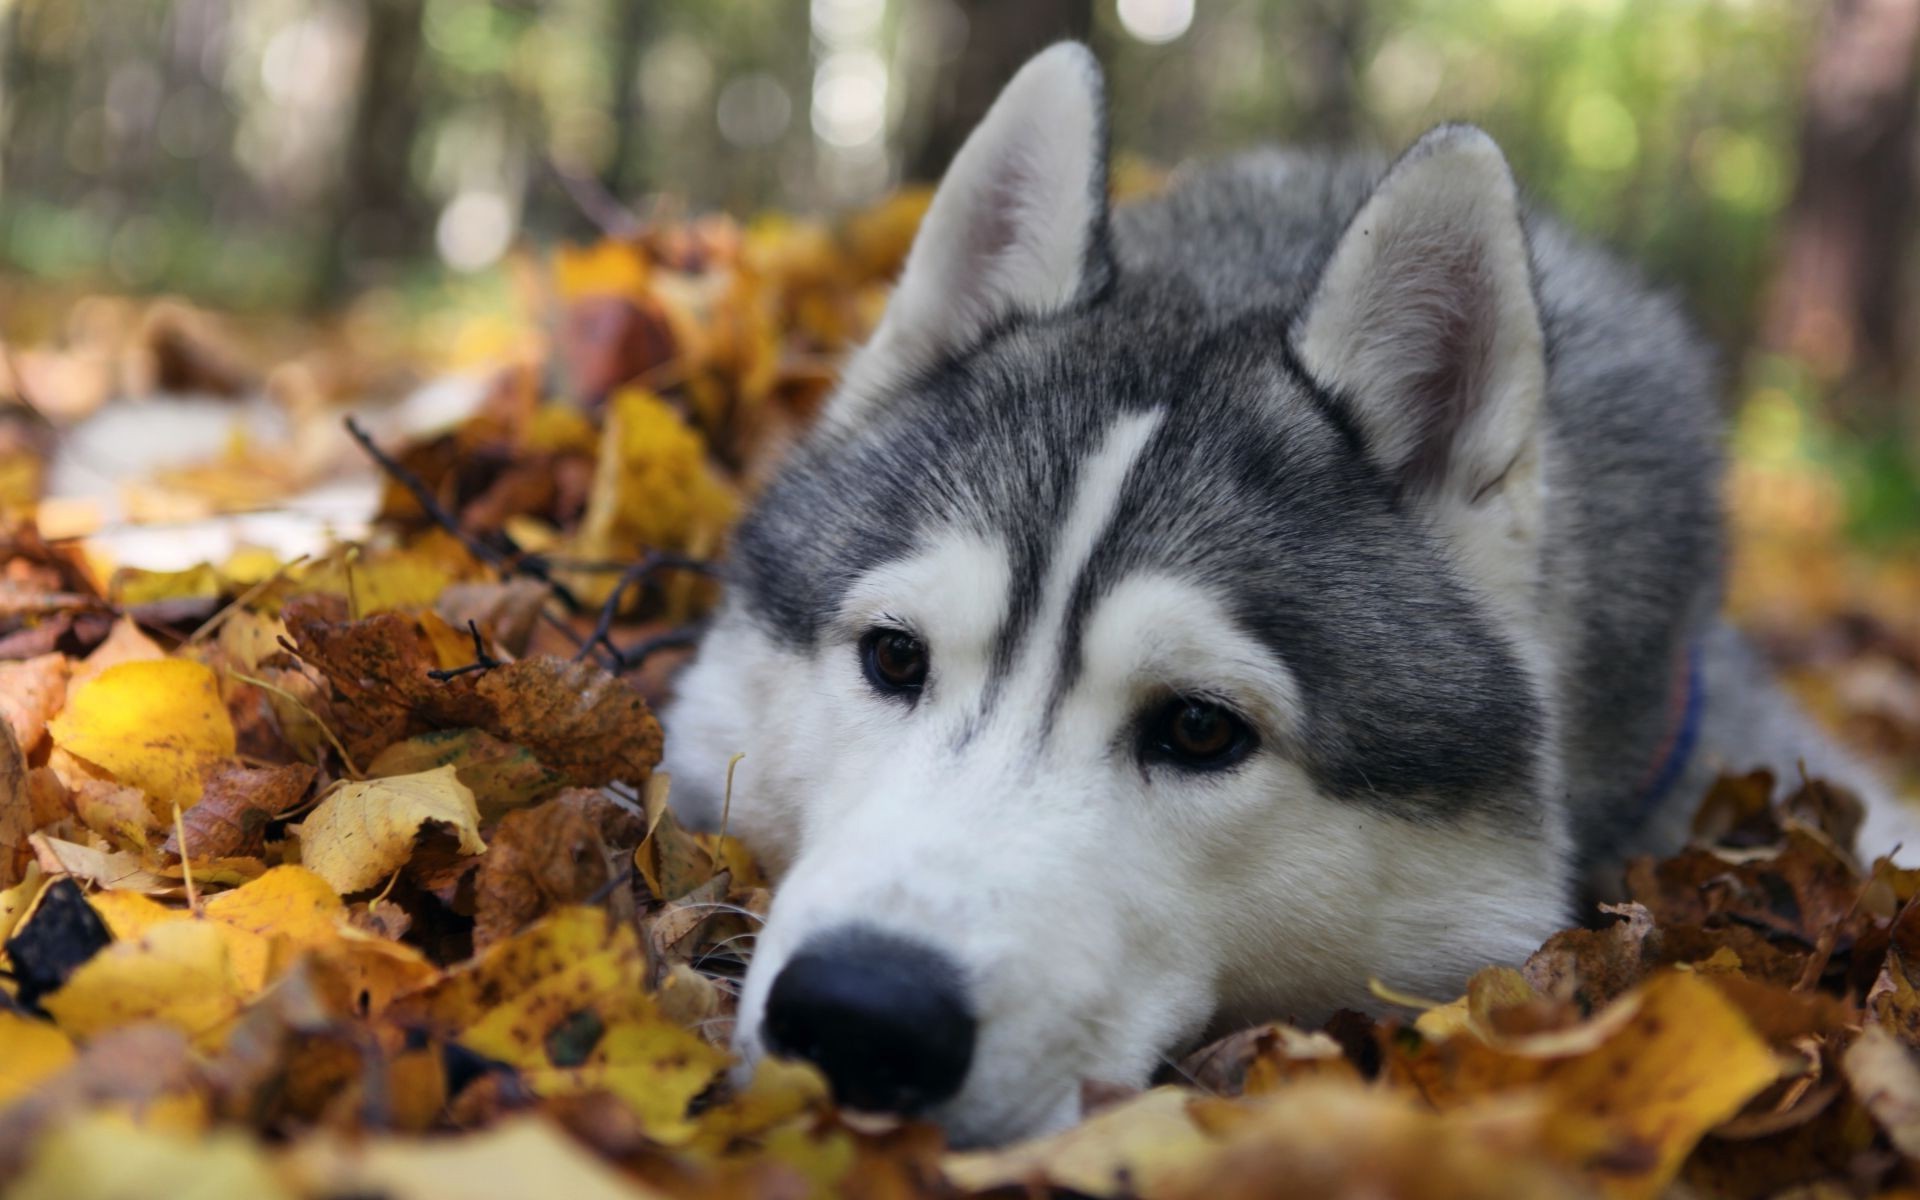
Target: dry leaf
178, 973
31, 693
235, 805
363, 832
154, 725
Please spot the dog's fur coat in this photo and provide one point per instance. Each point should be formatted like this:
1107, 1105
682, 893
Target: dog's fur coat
1417, 484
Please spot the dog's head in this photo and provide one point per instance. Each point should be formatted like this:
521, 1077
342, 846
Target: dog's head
1117, 658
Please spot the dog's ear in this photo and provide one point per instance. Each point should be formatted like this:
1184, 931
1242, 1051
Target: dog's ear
1018, 226
1424, 322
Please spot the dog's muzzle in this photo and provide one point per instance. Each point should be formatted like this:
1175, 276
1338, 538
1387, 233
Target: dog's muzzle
886, 1019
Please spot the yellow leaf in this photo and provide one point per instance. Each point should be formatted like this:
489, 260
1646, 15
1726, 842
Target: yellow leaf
16, 900
377, 969
1116, 1152
653, 488
606, 268
130, 914
178, 973
517, 1158
288, 902
131, 585
576, 1017
106, 1156
152, 724
364, 832
270, 921
30, 1051
1631, 1091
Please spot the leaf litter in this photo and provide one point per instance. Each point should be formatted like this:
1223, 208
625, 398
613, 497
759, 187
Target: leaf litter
351, 873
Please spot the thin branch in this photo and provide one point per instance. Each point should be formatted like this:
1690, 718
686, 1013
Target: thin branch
679, 638
531, 565
482, 661
636, 573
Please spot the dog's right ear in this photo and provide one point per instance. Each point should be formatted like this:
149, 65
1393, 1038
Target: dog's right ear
1018, 226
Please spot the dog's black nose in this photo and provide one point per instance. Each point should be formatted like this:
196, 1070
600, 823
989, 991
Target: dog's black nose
885, 1018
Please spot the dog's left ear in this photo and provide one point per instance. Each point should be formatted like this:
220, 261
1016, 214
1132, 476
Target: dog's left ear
1424, 322
1018, 226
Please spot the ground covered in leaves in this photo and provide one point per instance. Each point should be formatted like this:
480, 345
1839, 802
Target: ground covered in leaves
348, 874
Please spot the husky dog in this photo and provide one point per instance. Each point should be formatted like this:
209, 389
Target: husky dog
1185, 614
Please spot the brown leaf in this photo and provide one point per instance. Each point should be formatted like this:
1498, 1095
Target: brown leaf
231, 818
1798, 889
501, 777
16, 810
376, 669
543, 858
504, 611
575, 717
31, 692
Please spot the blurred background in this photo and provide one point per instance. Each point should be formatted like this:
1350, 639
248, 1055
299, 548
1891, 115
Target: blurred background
1757, 153
369, 166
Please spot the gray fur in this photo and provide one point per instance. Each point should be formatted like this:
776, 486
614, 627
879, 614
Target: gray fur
1413, 480
1256, 481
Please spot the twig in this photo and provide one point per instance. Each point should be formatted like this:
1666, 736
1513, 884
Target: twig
423, 495
653, 560
482, 661
670, 639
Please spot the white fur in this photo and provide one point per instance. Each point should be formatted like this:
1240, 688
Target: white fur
1101, 911
1007, 231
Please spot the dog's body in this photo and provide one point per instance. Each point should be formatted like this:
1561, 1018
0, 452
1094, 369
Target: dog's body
1412, 495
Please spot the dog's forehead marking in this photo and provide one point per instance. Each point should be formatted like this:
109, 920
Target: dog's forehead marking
1098, 486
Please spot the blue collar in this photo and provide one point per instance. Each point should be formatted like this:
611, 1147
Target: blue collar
1689, 696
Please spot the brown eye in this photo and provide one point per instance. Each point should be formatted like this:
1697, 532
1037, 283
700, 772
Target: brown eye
895, 661
1196, 734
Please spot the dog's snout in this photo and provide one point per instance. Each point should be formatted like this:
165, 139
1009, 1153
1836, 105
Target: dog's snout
886, 1019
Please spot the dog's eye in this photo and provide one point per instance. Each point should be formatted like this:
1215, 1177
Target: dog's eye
895, 661
1196, 734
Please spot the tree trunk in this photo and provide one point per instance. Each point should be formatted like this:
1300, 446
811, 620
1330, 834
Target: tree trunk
377, 212
634, 30
1001, 35
1836, 298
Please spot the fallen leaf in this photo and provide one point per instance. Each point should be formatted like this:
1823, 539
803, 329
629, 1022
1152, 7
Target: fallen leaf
107, 869
107, 1156
516, 1159
147, 1069
1630, 1093
235, 805
154, 725
178, 973
364, 832
31, 1051
119, 813
565, 1003
31, 693
576, 718
502, 777
1886, 1078
544, 858
60, 936
1123, 1151
16, 811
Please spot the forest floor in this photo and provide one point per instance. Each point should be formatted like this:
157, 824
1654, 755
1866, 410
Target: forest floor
333, 861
